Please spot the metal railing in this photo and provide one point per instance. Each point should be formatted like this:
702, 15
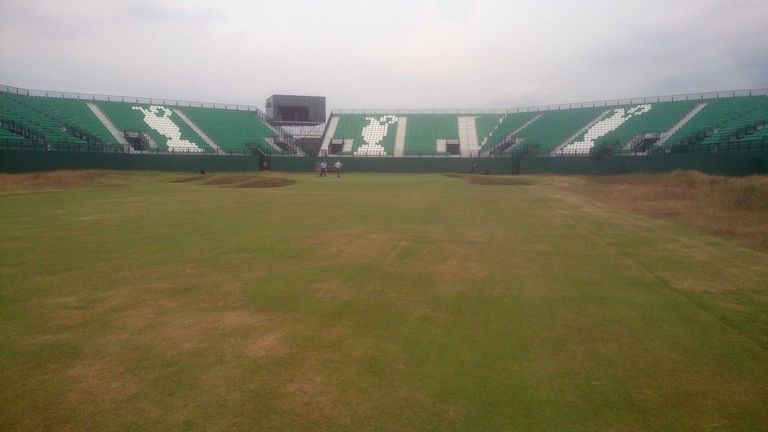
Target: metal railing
131, 99
475, 154
563, 106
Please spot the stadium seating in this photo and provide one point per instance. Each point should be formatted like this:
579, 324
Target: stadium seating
44, 122
575, 131
232, 130
425, 129
555, 126
375, 134
371, 134
698, 124
622, 124
70, 124
719, 122
81, 116
166, 129
486, 124
504, 126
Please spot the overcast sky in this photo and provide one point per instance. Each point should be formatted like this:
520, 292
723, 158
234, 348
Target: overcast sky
386, 53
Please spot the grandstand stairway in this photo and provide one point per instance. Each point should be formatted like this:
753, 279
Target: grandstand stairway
109, 125
509, 141
198, 131
402, 126
581, 131
665, 136
333, 123
616, 119
468, 143
283, 136
275, 146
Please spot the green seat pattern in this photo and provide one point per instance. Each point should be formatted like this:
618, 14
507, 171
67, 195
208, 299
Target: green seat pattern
555, 126
232, 130
661, 118
82, 117
505, 125
486, 124
39, 121
721, 121
425, 129
125, 118
353, 127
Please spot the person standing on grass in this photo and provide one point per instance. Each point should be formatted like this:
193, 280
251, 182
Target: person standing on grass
338, 166
323, 168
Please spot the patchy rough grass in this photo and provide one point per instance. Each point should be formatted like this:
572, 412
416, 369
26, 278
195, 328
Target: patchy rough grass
732, 207
375, 302
238, 181
54, 180
266, 183
501, 181
196, 178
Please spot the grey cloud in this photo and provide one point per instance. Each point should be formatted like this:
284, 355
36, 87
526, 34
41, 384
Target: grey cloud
431, 54
162, 11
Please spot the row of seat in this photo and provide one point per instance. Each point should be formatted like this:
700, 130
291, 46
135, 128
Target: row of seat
32, 123
717, 119
575, 130
37, 121
232, 130
70, 123
371, 135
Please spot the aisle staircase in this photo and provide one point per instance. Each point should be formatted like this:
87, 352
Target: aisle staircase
665, 136
109, 125
402, 126
510, 140
198, 131
468, 136
333, 123
581, 131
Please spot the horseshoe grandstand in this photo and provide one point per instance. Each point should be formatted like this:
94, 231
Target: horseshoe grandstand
712, 124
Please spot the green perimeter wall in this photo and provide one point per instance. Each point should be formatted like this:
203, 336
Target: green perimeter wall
30, 161
737, 163
732, 164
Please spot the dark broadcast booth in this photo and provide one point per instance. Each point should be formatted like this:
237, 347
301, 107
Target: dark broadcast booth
296, 109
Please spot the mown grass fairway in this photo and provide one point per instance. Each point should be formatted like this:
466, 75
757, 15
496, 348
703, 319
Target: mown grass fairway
374, 302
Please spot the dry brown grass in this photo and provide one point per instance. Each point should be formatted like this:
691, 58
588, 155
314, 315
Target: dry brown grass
500, 181
191, 179
237, 181
227, 180
733, 207
453, 261
98, 380
355, 245
266, 183
64, 179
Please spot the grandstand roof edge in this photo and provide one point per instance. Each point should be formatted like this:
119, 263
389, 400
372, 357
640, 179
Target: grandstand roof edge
136, 99
550, 107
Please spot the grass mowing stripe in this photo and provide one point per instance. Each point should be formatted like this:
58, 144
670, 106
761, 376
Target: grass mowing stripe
383, 302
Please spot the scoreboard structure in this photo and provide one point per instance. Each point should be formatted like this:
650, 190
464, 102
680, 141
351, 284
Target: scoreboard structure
296, 109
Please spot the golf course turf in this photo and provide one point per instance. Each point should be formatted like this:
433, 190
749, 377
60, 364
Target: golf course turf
160, 301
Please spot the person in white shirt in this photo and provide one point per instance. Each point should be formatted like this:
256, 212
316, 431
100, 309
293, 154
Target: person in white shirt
337, 166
